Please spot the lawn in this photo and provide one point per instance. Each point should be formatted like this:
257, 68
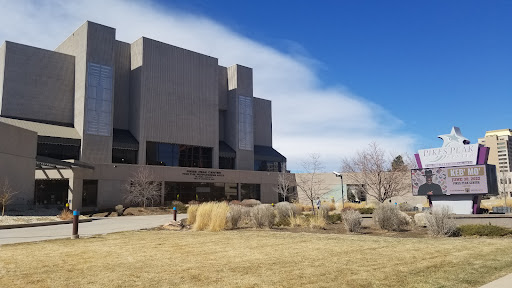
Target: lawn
254, 258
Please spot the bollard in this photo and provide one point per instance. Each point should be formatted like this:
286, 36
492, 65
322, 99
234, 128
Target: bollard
174, 213
76, 214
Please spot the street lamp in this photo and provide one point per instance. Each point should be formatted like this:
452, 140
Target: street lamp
342, 198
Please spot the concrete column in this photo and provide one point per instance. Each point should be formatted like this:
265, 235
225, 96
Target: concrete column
75, 193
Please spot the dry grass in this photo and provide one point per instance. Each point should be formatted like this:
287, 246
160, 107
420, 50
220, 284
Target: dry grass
211, 216
243, 258
298, 220
331, 206
489, 203
65, 214
363, 204
317, 221
192, 214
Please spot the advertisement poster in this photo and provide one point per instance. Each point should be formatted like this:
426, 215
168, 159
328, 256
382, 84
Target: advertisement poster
450, 180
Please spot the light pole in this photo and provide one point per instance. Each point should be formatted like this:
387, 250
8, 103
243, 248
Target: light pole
342, 198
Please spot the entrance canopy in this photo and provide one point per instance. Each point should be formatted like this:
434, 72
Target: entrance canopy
42, 161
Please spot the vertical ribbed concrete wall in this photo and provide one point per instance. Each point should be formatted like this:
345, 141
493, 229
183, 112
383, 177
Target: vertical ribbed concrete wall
37, 81
91, 43
239, 84
122, 85
2, 66
178, 96
262, 122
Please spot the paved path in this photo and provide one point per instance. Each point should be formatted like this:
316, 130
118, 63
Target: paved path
503, 282
98, 226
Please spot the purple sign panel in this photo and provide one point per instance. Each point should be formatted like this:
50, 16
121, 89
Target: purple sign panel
450, 180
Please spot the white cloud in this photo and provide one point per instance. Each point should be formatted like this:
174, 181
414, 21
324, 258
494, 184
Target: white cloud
308, 117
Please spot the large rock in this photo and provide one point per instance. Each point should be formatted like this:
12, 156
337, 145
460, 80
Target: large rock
420, 219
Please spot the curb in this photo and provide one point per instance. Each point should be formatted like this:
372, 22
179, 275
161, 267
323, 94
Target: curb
26, 225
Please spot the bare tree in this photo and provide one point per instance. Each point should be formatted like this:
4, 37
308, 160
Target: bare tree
372, 169
284, 183
310, 183
142, 188
504, 185
6, 195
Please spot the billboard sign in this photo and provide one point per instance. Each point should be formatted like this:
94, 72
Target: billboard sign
450, 180
449, 156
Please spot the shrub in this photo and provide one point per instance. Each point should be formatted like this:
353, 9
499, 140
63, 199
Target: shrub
324, 212
263, 215
329, 205
211, 216
119, 210
65, 214
180, 207
389, 217
250, 202
366, 210
284, 210
352, 220
192, 214
299, 207
234, 202
333, 218
317, 221
405, 207
235, 214
193, 202
298, 221
440, 222
484, 230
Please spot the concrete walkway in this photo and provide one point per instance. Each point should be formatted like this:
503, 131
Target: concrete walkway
503, 282
96, 227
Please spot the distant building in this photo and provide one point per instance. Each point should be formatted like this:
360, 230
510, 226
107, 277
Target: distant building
84, 118
500, 148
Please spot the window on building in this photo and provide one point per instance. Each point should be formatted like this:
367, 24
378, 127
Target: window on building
250, 191
58, 151
90, 193
269, 166
124, 156
226, 163
178, 155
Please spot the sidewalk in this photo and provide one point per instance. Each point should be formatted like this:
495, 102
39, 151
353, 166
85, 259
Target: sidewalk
96, 227
503, 282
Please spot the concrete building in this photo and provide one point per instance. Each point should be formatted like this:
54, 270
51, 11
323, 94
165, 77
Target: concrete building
331, 189
500, 149
102, 109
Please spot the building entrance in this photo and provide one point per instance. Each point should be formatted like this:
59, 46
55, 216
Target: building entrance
51, 192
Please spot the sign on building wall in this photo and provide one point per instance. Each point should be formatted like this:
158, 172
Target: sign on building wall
450, 180
98, 100
245, 123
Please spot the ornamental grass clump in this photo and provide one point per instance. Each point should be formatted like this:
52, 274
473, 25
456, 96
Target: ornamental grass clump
65, 214
389, 217
192, 214
298, 220
285, 209
211, 216
317, 221
352, 220
263, 215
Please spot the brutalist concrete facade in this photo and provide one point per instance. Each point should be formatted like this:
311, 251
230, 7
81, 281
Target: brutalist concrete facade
117, 96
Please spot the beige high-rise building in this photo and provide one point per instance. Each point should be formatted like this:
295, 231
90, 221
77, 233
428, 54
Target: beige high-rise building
500, 148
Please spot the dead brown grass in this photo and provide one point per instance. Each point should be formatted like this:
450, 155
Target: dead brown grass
252, 258
65, 214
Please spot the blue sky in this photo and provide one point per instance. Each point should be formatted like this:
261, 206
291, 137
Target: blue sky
432, 64
339, 73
